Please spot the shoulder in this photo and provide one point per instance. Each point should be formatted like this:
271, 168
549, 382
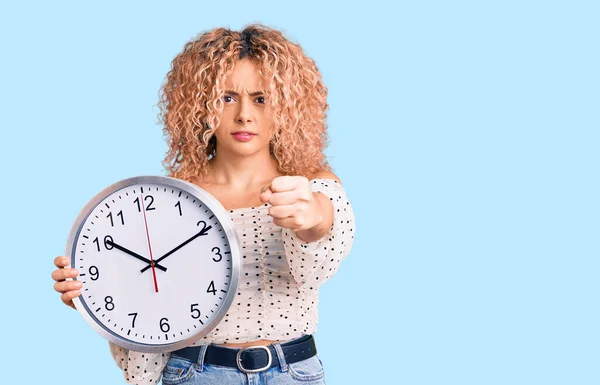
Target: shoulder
325, 175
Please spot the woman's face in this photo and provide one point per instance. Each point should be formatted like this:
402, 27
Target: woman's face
246, 123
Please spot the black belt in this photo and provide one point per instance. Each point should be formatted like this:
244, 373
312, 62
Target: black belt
252, 359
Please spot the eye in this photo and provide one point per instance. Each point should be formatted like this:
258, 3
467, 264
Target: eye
260, 99
227, 98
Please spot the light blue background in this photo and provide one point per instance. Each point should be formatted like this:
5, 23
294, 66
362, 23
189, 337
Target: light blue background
466, 135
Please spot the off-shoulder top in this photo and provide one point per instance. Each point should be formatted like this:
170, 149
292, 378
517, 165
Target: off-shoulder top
277, 297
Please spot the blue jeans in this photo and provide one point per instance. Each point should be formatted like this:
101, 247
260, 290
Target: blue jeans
183, 371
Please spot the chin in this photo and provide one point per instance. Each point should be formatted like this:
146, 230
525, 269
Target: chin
245, 149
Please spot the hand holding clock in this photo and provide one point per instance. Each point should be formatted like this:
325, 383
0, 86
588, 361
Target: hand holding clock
149, 219
68, 289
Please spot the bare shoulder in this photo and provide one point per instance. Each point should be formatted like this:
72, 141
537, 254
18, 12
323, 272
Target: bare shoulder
326, 175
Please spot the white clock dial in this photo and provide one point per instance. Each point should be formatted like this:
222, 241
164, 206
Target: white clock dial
159, 262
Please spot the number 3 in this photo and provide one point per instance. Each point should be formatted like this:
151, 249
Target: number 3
218, 252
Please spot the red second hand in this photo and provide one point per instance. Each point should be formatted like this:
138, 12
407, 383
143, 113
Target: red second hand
149, 247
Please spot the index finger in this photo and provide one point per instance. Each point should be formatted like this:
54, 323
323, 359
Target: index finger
285, 183
61, 261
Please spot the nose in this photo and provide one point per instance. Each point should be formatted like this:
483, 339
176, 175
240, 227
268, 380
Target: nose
244, 113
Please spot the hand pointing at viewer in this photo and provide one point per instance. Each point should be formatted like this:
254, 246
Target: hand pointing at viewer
294, 206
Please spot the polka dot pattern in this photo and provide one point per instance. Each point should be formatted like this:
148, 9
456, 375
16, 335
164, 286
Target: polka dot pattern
313, 263
277, 296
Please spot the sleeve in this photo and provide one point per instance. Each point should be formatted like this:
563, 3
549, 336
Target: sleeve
139, 368
315, 262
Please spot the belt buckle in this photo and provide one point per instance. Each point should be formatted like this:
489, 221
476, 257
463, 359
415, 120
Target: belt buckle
239, 359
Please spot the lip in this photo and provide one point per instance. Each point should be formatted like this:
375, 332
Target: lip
243, 136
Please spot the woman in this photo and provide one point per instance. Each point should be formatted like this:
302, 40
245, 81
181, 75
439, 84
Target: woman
244, 115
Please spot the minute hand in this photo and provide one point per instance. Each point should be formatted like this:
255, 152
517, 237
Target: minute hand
203, 232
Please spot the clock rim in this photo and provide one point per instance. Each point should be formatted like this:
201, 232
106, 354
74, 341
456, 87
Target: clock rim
224, 219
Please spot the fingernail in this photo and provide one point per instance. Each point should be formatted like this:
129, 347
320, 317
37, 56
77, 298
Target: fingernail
65, 261
77, 285
74, 272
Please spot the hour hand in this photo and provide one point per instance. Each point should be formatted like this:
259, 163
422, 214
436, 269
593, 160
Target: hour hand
136, 255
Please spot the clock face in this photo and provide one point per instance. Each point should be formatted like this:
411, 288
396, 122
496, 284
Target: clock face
159, 261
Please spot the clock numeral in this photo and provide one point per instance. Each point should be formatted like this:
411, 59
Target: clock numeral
204, 229
195, 310
163, 323
93, 270
211, 288
107, 239
178, 205
119, 214
218, 253
148, 207
132, 321
108, 303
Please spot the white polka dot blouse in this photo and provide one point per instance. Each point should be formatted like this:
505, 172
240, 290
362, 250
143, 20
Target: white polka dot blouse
277, 297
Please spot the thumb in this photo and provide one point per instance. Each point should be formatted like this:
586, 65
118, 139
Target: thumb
265, 193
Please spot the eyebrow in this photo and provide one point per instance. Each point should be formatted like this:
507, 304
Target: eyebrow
255, 93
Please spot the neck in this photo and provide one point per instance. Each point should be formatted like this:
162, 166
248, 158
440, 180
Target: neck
242, 171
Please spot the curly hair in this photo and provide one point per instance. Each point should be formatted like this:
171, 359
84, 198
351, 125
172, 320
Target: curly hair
191, 100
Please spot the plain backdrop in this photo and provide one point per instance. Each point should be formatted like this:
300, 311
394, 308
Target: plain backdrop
465, 133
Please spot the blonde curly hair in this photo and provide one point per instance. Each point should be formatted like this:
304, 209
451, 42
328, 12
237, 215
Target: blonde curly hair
191, 100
